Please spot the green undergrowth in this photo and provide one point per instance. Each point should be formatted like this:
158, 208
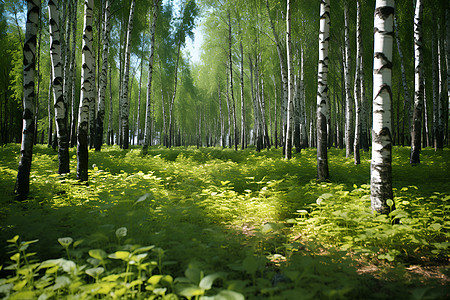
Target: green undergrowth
214, 223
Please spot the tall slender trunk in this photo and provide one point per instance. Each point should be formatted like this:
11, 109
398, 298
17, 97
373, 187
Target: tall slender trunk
243, 131
348, 101
110, 135
173, 96
322, 92
407, 103
124, 96
381, 168
148, 119
38, 62
440, 105
164, 131
230, 61
67, 82
222, 125
50, 115
138, 117
263, 117
22, 187
303, 121
416, 134
357, 87
426, 135
364, 104
59, 102
86, 91
284, 76
290, 104
73, 68
275, 113
229, 112
102, 79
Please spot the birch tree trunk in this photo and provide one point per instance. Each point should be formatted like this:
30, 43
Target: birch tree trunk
416, 134
381, 169
110, 135
125, 108
230, 61
290, 106
73, 68
50, 115
103, 79
348, 99
322, 91
87, 71
22, 187
303, 121
407, 103
222, 125
357, 87
169, 144
440, 105
284, 75
148, 121
243, 131
59, 102
364, 105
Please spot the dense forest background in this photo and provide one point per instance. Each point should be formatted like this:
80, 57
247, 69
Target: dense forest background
204, 101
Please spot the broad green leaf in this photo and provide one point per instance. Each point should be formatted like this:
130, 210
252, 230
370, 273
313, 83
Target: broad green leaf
123, 255
154, 280
207, 281
98, 254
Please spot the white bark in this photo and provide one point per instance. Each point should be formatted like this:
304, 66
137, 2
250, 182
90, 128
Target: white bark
381, 169
290, 106
418, 85
126, 76
322, 91
357, 87
87, 71
348, 98
103, 79
147, 130
58, 96
22, 186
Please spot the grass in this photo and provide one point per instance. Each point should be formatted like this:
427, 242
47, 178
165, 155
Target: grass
193, 223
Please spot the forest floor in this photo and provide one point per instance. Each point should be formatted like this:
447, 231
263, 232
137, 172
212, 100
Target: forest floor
223, 223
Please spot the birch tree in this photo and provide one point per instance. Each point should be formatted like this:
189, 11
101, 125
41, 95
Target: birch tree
418, 85
290, 106
322, 91
381, 169
357, 87
60, 103
348, 99
22, 187
125, 107
103, 79
87, 85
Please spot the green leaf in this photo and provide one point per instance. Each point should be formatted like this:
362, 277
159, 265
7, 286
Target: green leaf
250, 264
98, 254
123, 255
190, 291
229, 295
207, 281
14, 239
435, 226
154, 280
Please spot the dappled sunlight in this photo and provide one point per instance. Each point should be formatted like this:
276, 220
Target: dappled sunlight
259, 224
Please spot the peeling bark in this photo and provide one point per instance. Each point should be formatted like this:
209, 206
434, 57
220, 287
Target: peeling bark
381, 169
322, 92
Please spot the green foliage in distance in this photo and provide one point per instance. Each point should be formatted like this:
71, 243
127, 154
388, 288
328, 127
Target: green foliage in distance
221, 224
